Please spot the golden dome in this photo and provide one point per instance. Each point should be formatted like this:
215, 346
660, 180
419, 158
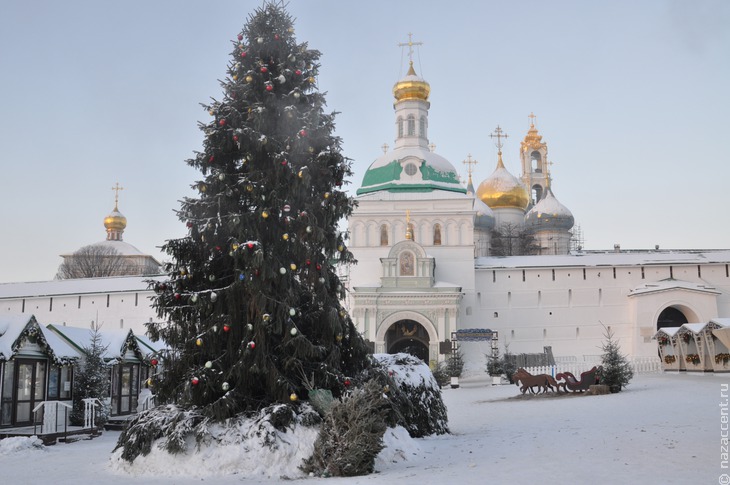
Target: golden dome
411, 87
503, 190
115, 221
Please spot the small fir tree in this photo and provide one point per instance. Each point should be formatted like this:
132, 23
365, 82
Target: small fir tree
617, 371
91, 380
252, 302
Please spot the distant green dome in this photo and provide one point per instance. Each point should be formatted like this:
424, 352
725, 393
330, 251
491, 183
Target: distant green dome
411, 169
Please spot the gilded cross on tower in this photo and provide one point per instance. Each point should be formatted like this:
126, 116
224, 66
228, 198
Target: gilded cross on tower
116, 189
432, 147
384, 148
498, 134
532, 119
410, 45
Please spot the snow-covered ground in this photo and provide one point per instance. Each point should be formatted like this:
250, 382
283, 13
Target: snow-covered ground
665, 428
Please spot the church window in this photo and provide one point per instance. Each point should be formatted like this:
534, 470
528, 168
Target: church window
400, 127
727, 271
411, 125
136, 299
437, 235
699, 271
671, 272
577, 332
411, 169
407, 264
383, 235
584, 273
107, 300
536, 194
494, 276
553, 271
544, 333
422, 127
23, 307
79, 301
642, 272
121, 323
468, 310
50, 304
523, 275
614, 273
535, 159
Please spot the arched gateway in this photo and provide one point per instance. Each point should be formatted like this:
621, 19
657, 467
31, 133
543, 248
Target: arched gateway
407, 336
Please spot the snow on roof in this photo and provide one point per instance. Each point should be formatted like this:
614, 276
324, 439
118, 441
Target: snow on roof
670, 284
114, 340
122, 247
723, 322
669, 331
607, 258
11, 326
80, 286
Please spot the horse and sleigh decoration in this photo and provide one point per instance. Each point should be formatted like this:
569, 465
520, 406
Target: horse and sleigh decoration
566, 380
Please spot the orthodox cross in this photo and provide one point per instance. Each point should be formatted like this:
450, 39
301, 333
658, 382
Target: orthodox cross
410, 45
432, 147
498, 134
469, 162
532, 119
116, 189
385, 148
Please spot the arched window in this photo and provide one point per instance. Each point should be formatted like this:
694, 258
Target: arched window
383, 235
422, 127
411, 125
400, 127
536, 162
407, 264
536, 193
437, 235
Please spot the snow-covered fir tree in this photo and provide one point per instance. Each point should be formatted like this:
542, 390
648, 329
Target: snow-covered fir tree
91, 380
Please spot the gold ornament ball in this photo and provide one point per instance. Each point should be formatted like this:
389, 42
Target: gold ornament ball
249, 78
265, 214
285, 237
293, 267
199, 342
266, 317
326, 195
293, 397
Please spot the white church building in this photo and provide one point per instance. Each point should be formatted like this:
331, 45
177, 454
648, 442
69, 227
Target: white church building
425, 247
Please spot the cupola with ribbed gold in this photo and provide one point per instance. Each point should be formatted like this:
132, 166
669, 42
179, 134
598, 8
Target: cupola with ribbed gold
503, 190
411, 87
115, 222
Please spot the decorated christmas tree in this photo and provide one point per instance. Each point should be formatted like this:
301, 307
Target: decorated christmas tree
252, 305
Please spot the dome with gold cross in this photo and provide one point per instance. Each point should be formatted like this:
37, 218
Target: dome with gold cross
411, 87
503, 190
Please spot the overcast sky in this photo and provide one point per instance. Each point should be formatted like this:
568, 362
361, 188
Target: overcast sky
631, 97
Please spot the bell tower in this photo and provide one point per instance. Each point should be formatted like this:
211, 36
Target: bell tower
535, 165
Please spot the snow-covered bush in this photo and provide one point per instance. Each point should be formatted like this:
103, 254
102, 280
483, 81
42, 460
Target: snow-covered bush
351, 435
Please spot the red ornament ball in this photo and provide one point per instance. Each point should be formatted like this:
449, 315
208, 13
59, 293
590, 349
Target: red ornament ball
190, 225
308, 262
283, 162
302, 132
235, 137
240, 37
250, 245
210, 160
276, 36
177, 296
154, 362
226, 328
264, 69
298, 72
244, 53
319, 267
252, 345
222, 122
347, 382
269, 87
194, 381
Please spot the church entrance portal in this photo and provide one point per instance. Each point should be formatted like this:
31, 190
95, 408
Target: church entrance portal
409, 337
670, 317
